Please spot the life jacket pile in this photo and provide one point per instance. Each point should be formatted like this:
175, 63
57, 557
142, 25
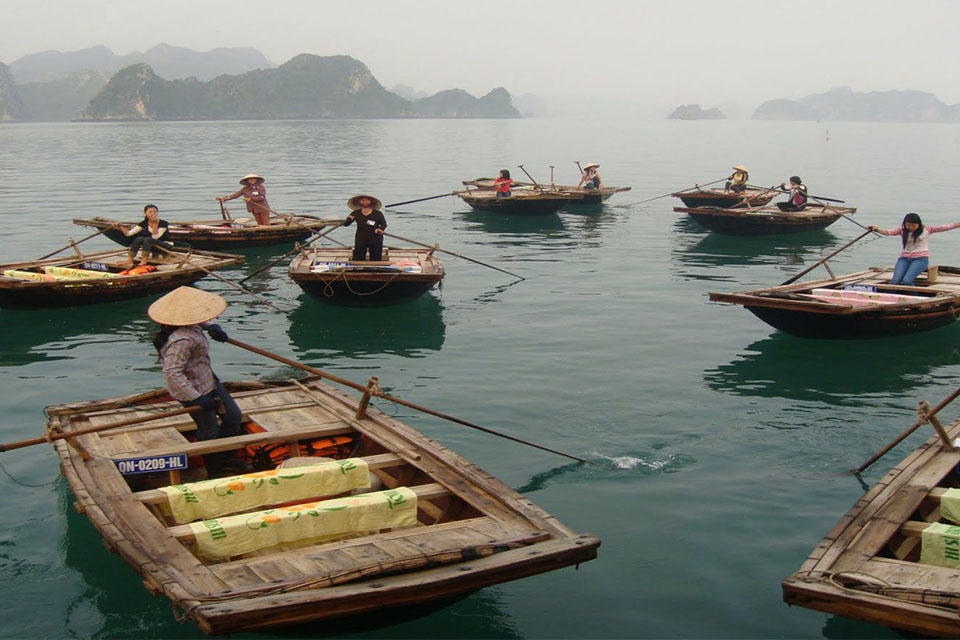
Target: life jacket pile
265, 457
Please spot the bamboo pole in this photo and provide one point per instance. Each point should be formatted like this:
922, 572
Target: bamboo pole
82, 432
437, 248
442, 195
823, 260
667, 195
221, 279
919, 423
308, 242
372, 391
290, 220
74, 244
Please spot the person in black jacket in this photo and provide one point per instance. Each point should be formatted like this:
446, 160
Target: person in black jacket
365, 211
148, 233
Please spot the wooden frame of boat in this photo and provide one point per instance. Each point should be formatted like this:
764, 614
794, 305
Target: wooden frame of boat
359, 279
172, 271
522, 202
581, 195
765, 221
700, 197
240, 233
867, 567
794, 309
472, 530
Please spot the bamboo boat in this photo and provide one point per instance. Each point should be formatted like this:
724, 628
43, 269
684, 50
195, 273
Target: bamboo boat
96, 277
213, 235
722, 199
437, 527
855, 305
579, 196
522, 202
331, 274
766, 221
887, 561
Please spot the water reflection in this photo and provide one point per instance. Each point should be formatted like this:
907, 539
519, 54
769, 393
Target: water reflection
491, 222
840, 627
783, 366
409, 329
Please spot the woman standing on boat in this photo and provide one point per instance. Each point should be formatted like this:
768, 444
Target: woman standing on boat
365, 211
737, 182
183, 315
590, 178
255, 195
147, 234
504, 184
915, 256
798, 195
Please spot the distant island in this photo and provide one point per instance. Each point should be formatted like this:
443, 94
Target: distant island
845, 104
11, 107
694, 112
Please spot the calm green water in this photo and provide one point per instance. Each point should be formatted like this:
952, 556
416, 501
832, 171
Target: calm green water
721, 443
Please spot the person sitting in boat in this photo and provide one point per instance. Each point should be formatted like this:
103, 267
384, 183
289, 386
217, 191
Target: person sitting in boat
365, 211
737, 181
590, 178
148, 234
798, 195
915, 256
504, 184
255, 195
183, 315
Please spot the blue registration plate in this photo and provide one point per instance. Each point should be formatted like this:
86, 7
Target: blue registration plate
151, 464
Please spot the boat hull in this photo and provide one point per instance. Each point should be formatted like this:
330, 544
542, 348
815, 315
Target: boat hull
759, 225
522, 206
335, 288
805, 324
721, 201
83, 294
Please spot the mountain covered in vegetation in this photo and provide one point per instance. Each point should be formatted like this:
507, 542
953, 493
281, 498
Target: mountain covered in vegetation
695, 112
61, 99
11, 107
307, 86
844, 103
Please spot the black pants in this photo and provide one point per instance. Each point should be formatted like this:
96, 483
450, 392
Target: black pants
736, 188
789, 206
209, 427
147, 243
375, 247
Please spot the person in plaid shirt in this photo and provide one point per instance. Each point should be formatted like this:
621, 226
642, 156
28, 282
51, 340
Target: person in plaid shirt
184, 317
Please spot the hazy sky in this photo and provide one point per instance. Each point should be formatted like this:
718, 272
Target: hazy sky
611, 51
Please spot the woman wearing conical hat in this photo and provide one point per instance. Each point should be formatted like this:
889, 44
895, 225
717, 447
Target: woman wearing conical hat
590, 178
255, 195
365, 211
184, 316
737, 181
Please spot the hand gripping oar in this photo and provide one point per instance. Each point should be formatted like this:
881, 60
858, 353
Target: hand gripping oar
73, 244
308, 242
821, 261
667, 195
220, 278
919, 423
360, 387
390, 235
106, 427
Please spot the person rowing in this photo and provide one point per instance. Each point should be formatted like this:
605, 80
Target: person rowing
798, 195
915, 257
737, 181
590, 178
365, 211
149, 233
184, 315
254, 195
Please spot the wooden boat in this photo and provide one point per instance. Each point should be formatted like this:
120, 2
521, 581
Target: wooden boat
766, 221
455, 530
875, 564
331, 274
725, 199
213, 235
578, 195
96, 277
522, 202
855, 305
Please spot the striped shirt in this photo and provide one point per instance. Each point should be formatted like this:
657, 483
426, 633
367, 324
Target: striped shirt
918, 248
186, 363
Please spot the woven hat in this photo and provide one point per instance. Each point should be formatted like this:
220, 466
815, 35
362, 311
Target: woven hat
739, 167
185, 306
590, 165
251, 176
354, 202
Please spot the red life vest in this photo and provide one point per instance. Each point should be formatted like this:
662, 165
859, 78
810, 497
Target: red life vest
503, 184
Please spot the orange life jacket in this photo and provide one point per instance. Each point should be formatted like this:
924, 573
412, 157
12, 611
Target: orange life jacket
264, 457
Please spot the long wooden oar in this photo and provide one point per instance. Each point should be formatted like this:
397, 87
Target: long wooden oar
360, 387
953, 396
289, 217
435, 248
442, 195
307, 243
667, 195
535, 183
224, 213
221, 279
73, 244
821, 261
105, 427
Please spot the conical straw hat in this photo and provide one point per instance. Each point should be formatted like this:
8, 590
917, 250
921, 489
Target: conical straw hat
185, 306
354, 202
249, 176
591, 165
739, 167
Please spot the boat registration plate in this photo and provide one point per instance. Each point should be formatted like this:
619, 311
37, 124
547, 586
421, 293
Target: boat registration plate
151, 464
860, 287
95, 266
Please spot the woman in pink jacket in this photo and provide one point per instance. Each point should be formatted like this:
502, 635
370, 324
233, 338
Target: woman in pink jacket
915, 256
